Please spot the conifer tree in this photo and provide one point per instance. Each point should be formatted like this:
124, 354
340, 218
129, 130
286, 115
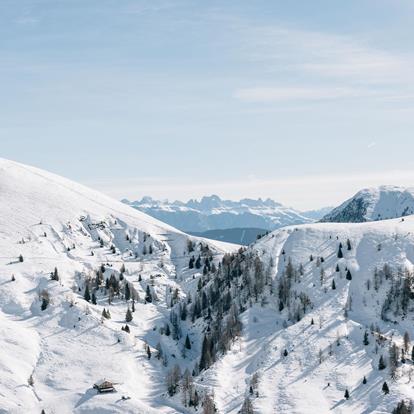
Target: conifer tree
87, 295
187, 342
148, 352
385, 388
348, 243
127, 292
366, 341
148, 296
93, 298
55, 275
205, 359
128, 316
340, 254
346, 395
348, 275
45, 304
381, 363
21, 260
333, 284
364, 381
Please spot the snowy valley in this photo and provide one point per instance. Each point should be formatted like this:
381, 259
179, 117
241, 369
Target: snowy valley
311, 318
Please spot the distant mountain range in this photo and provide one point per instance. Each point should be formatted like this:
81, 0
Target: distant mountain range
373, 204
212, 213
243, 236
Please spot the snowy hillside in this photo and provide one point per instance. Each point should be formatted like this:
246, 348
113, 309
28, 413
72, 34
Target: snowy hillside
91, 290
75, 265
336, 297
373, 204
211, 213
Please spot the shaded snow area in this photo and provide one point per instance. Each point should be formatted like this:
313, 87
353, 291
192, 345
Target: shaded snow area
306, 365
50, 359
92, 290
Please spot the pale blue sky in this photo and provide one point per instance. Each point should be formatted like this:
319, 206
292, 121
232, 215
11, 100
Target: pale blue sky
302, 101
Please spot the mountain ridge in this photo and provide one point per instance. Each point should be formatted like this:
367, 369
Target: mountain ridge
213, 213
372, 204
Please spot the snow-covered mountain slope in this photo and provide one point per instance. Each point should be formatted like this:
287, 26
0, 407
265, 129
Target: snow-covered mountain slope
66, 254
303, 336
373, 204
211, 213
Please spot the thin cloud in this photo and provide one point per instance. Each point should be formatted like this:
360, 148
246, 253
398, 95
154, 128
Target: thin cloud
272, 94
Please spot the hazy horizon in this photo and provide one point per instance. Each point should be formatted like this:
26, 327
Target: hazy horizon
304, 103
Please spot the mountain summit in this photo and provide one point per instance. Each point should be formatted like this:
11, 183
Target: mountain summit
212, 213
372, 204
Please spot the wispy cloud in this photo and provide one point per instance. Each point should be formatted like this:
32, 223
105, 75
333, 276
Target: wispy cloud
322, 66
272, 94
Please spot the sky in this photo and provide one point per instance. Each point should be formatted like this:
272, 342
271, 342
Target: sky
305, 102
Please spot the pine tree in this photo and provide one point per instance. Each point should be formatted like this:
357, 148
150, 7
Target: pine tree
167, 330
148, 352
128, 316
148, 296
205, 359
127, 292
337, 268
348, 243
44, 305
346, 395
366, 341
348, 275
21, 260
381, 363
385, 388
55, 275
87, 295
406, 341
247, 407
93, 298
403, 408
340, 254
187, 342
333, 284
198, 263
364, 381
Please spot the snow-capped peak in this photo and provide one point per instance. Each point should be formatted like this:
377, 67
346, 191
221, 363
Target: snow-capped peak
372, 204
